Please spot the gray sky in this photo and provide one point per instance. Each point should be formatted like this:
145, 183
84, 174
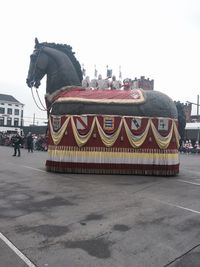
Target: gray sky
158, 39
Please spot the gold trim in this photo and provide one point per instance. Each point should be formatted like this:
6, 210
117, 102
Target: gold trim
108, 140
57, 136
136, 140
100, 101
81, 139
110, 154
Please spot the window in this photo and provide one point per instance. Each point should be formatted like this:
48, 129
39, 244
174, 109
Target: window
2, 104
17, 105
9, 121
2, 110
16, 122
9, 104
9, 111
16, 111
1, 121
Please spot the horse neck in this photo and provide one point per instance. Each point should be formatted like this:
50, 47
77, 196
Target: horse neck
60, 70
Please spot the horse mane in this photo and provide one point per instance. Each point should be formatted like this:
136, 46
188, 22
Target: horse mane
67, 49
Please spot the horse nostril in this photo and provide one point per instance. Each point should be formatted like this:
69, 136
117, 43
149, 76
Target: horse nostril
37, 84
29, 83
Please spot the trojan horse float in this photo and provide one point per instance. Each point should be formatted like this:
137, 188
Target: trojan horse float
102, 131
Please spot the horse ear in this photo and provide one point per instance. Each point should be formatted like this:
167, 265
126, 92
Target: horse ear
36, 42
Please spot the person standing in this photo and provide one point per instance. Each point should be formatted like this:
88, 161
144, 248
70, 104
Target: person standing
114, 84
102, 84
17, 141
29, 141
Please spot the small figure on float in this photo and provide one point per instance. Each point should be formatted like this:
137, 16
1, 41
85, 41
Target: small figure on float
114, 84
127, 84
86, 82
93, 83
102, 83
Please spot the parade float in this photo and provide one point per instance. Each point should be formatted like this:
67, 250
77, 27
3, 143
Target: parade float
102, 131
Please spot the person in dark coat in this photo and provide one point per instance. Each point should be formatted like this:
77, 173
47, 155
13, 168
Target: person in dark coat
17, 141
29, 142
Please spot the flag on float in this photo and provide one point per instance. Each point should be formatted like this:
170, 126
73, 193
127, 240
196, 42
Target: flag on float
108, 123
109, 72
120, 73
83, 70
95, 71
135, 123
163, 124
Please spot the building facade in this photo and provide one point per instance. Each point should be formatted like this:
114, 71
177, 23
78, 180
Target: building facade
11, 113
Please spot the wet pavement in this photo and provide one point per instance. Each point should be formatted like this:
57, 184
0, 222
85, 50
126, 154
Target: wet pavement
67, 220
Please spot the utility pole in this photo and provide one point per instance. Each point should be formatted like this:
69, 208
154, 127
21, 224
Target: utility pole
196, 104
34, 119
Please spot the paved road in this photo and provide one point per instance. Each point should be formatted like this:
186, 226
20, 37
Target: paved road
65, 220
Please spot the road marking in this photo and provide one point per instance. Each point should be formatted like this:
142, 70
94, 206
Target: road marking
28, 167
35, 169
187, 182
16, 250
176, 206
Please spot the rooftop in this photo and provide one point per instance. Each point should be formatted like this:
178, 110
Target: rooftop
8, 98
192, 125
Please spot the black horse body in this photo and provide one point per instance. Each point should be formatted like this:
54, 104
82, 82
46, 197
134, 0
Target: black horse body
156, 104
62, 69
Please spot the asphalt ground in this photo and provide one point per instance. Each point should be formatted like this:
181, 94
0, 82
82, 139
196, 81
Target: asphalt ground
68, 220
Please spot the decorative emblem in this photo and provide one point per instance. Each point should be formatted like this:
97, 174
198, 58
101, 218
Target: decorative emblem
82, 122
56, 123
163, 124
136, 123
135, 94
108, 123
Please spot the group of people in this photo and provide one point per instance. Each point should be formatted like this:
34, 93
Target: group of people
30, 142
17, 142
109, 83
188, 147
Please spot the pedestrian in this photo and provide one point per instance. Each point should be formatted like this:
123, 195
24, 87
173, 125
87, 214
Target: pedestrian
29, 141
17, 141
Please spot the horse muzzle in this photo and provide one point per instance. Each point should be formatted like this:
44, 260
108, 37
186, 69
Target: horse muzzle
32, 83
29, 82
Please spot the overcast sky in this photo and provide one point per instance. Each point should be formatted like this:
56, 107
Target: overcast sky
158, 39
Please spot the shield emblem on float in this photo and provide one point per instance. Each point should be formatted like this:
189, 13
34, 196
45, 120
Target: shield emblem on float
135, 94
82, 123
56, 123
163, 124
108, 123
135, 123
